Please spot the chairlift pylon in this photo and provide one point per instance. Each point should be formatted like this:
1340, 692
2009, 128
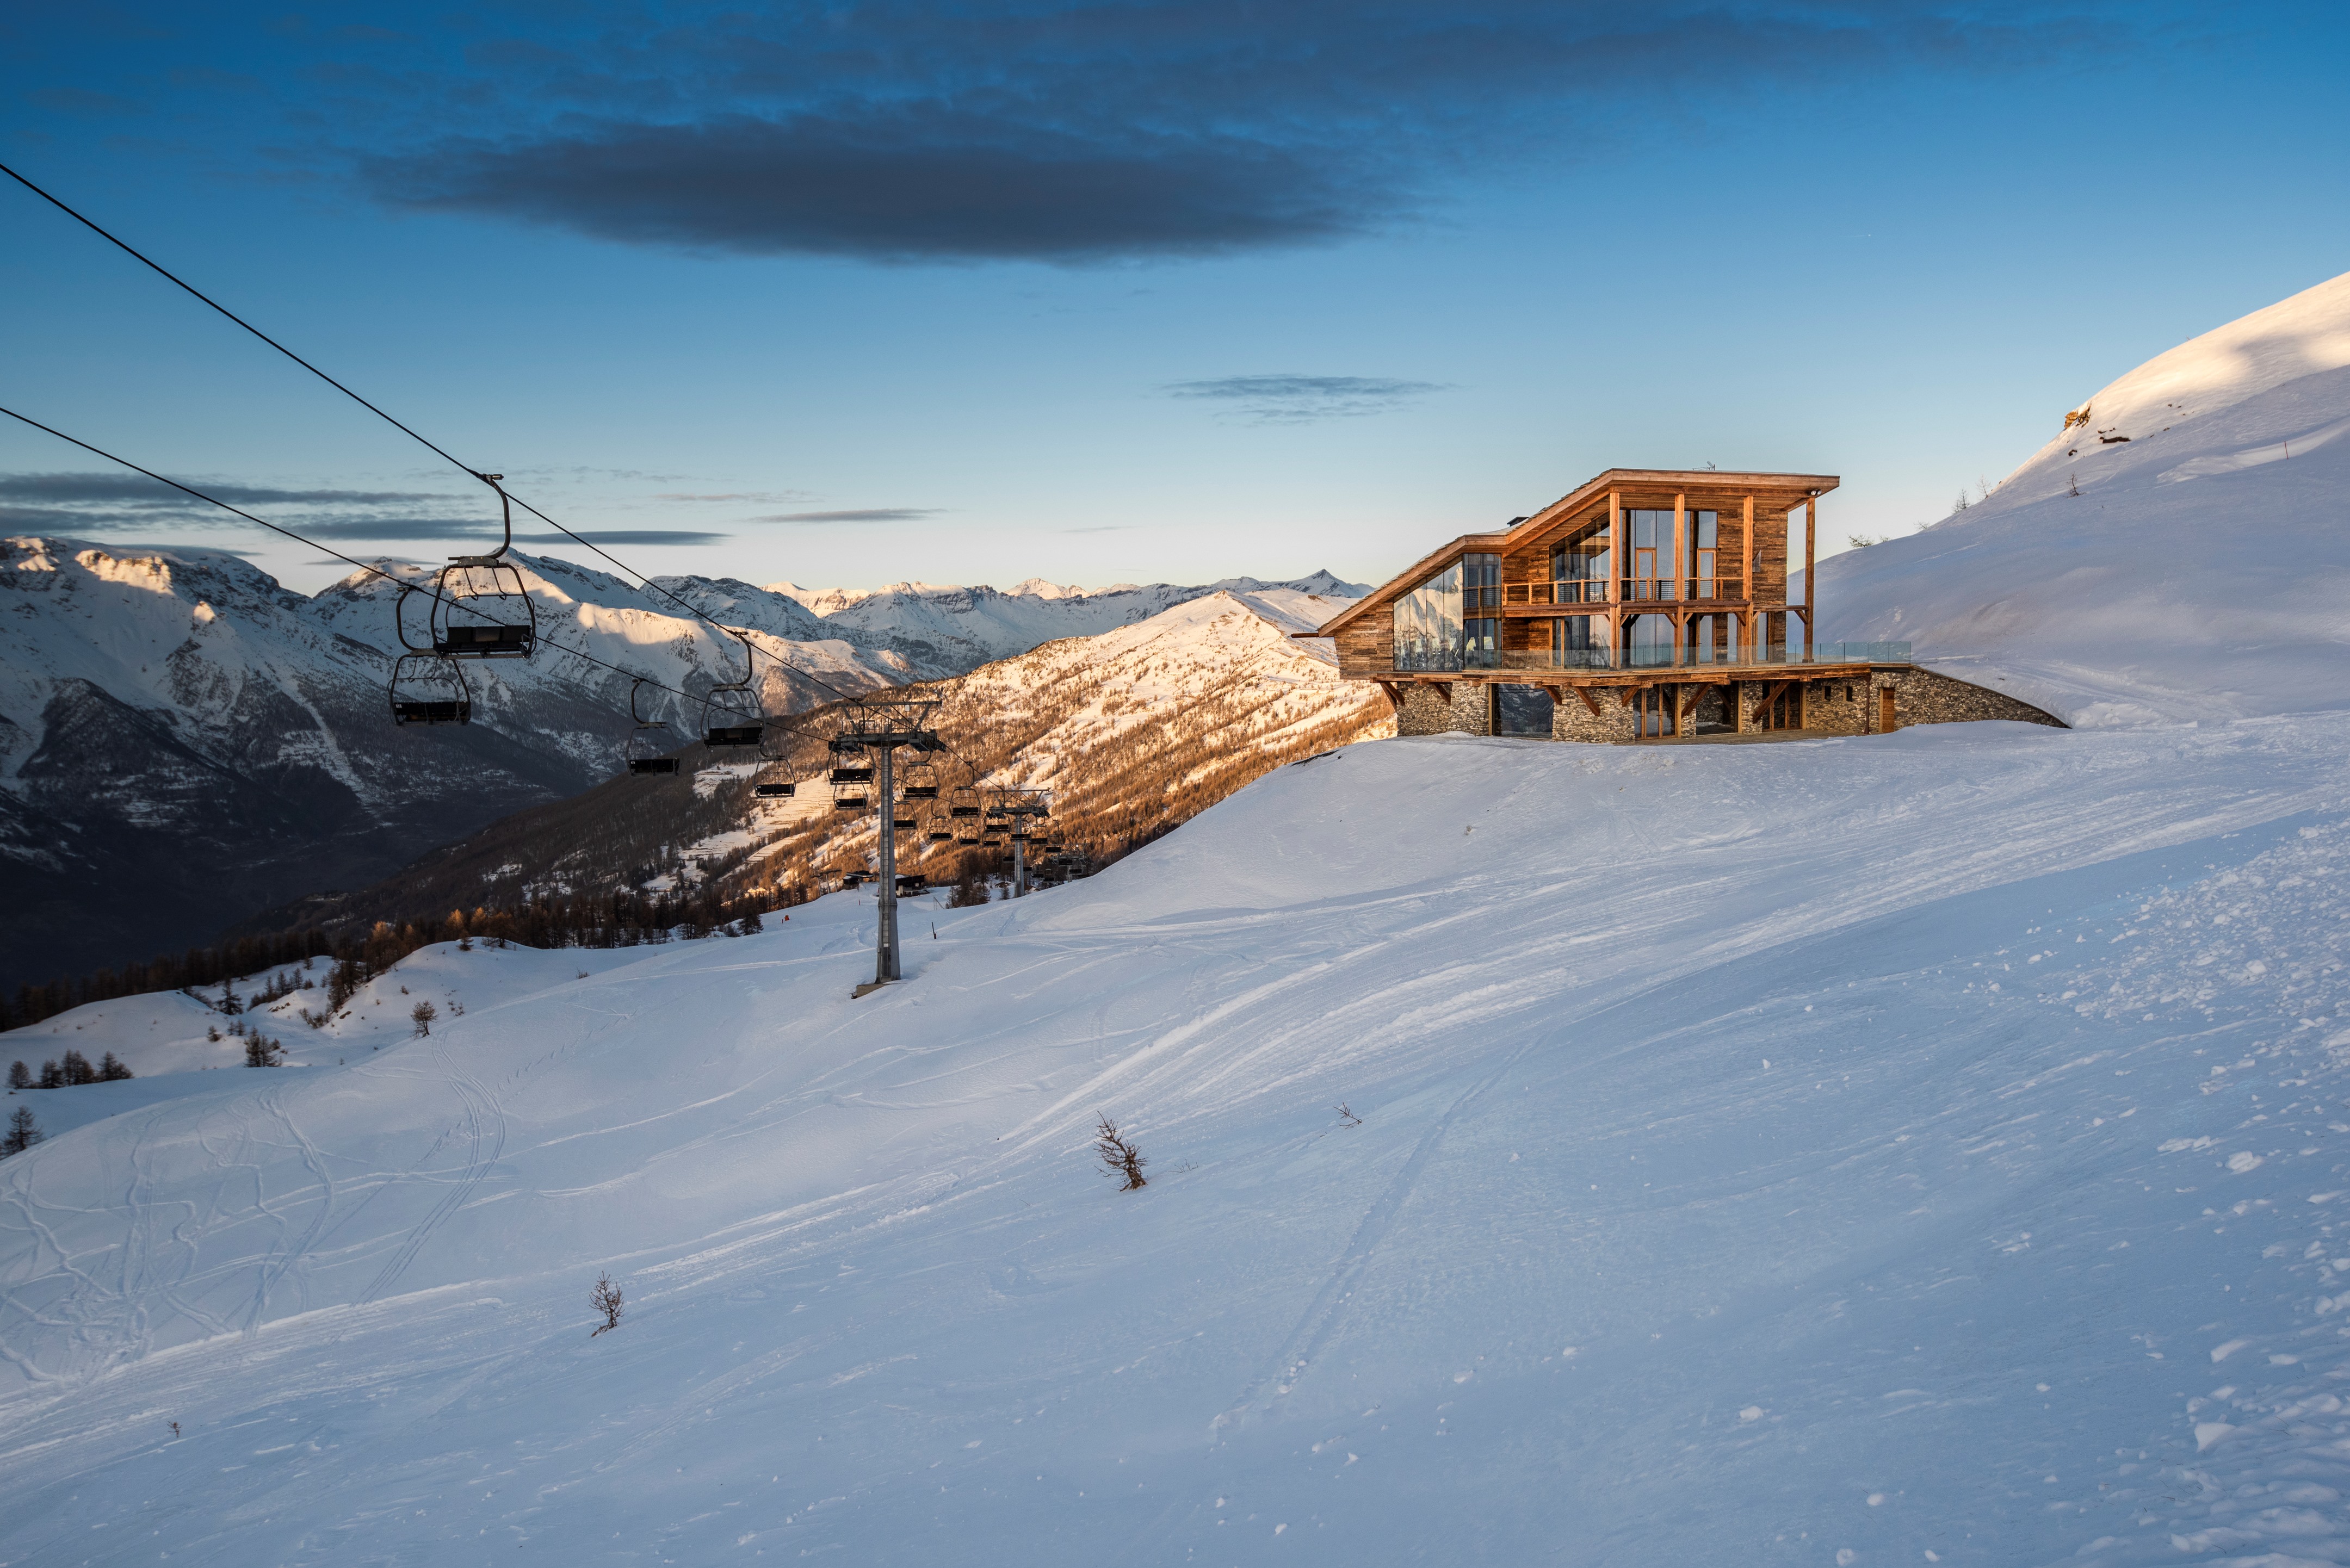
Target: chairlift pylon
648, 743
481, 607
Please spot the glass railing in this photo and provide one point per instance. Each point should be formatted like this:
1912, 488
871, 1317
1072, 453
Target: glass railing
1636, 590
1742, 655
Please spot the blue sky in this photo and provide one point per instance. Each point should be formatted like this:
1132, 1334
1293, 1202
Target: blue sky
1101, 292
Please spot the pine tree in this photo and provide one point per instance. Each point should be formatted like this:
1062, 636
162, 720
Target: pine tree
110, 1070
20, 1076
22, 1133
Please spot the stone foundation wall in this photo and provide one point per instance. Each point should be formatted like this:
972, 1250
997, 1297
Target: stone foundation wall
1922, 697
1853, 707
1462, 708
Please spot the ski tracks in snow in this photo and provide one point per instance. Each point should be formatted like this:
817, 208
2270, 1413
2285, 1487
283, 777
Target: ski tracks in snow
1322, 1317
482, 1122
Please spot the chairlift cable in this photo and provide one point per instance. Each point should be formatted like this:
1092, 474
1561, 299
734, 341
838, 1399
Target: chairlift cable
174, 278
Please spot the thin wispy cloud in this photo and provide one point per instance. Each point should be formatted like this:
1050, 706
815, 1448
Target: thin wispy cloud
627, 537
743, 497
110, 502
1293, 399
857, 514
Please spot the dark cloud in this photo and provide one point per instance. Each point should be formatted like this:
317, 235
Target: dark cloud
912, 183
866, 515
1275, 399
1071, 131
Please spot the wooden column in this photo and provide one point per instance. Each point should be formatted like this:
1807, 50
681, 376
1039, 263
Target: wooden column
1681, 541
1746, 571
1811, 543
1618, 564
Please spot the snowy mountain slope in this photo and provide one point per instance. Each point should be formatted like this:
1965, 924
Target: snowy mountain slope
1134, 730
944, 630
1908, 1144
2202, 572
175, 720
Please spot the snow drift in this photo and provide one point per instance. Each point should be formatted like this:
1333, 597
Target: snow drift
2202, 571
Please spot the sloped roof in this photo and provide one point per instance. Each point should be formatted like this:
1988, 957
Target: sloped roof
1569, 507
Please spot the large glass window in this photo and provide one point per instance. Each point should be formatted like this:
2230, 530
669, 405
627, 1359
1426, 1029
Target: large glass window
1481, 605
1704, 535
1654, 567
1648, 640
1522, 710
1428, 624
1578, 568
1571, 647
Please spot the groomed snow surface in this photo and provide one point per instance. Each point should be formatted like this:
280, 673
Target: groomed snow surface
1835, 1151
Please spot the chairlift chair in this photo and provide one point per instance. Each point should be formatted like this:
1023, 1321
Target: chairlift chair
901, 817
481, 609
966, 802
733, 719
649, 743
427, 689
921, 781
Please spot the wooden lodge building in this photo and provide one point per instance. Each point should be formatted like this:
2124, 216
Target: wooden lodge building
1647, 605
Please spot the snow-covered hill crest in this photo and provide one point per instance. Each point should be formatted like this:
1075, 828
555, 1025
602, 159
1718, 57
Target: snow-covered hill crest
946, 630
2178, 553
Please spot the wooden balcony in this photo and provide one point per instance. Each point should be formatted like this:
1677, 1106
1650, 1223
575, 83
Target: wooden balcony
1539, 600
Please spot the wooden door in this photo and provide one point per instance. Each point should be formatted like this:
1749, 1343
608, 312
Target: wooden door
1886, 723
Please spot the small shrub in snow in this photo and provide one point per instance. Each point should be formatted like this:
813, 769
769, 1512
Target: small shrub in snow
22, 1133
606, 1299
1118, 1155
1347, 1119
422, 1015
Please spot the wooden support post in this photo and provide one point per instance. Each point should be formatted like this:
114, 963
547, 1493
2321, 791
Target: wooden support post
1811, 542
1619, 563
1395, 693
1689, 705
1584, 692
1746, 575
1681, 541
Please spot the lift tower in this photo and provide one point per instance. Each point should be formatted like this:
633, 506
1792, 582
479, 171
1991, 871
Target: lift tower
883, 726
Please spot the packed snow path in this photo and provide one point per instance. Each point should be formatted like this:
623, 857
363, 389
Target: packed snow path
1829, 1152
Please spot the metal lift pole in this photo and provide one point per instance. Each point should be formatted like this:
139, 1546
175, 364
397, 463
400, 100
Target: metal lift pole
1020, 859
885, 956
